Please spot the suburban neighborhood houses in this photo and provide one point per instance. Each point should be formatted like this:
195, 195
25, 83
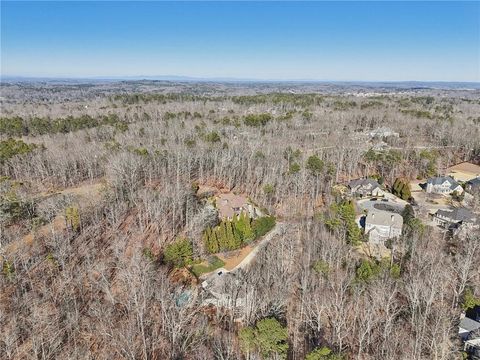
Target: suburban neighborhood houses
380, 211
450, 203
380, 214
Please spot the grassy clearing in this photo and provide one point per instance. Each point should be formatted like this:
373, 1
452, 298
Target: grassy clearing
212, 264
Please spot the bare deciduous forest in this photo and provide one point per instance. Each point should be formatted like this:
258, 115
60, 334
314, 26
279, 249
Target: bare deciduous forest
103, 219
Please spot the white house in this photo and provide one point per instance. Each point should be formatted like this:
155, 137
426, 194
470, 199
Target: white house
382, 225
443, 185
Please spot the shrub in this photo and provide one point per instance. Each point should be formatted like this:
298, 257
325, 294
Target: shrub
147, 252
369, 269
8, 269
257, 119
212, 137
229, 235
323, 353
315, 165
72, 217
294, 168
321, 267
268, 189
232, 235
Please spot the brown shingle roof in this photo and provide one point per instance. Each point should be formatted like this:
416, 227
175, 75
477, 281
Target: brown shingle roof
228, 204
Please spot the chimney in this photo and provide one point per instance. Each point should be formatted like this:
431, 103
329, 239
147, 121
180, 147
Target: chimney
393, 218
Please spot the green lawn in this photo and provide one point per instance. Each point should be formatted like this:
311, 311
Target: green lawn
213, 264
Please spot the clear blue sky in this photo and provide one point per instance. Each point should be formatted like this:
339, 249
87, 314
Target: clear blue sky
263, 40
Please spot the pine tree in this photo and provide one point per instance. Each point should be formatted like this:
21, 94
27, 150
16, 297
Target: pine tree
222, 236
210, 241
229, 236
207, 240
236, 237
247, 230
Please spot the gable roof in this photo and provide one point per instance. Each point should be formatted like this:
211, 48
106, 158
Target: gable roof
384, 218
439, 180
363, 182
475, 182
469, 324
457, 214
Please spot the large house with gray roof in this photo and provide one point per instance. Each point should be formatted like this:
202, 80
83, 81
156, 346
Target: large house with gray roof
365, 187
473, 185
443, 185
449, 217
459, 221
382, 225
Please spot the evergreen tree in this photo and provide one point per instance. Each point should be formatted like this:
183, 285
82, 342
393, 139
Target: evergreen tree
401, 188
179, 253
268, 337
210, 241
244, 227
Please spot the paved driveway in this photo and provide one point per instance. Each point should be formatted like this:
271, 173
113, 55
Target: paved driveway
386, 204
278, 229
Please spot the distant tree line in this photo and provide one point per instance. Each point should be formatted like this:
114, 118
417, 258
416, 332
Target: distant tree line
130, 99
18, 126
302, 100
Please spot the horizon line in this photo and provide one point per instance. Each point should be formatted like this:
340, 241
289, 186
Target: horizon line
187, 78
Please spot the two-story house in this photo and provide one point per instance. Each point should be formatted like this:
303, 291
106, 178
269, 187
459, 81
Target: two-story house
382, 225
459, 221
443, 185
365, 187
447, 217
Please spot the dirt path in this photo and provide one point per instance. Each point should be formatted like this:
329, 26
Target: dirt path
84, 194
